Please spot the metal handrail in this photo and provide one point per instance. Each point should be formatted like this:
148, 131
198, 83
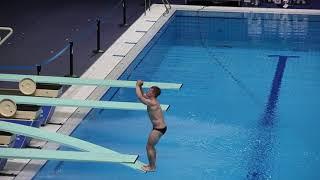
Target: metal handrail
147, 6
167, 5
8, 35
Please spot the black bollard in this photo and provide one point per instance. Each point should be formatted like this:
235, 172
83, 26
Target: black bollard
98, 50
71, 73
38, 69
124, 13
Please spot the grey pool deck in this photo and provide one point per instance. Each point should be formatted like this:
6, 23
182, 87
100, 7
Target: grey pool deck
110, 65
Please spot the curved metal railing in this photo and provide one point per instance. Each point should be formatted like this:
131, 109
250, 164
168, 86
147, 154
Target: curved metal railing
147, 6
2, 40
167, 5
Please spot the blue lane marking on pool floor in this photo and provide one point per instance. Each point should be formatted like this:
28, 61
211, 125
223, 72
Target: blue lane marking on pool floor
260, 166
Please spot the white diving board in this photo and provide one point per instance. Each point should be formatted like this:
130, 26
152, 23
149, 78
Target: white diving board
40, 154
62, 139
41, 101
88, 82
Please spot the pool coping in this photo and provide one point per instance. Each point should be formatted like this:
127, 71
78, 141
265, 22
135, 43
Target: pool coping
114, 62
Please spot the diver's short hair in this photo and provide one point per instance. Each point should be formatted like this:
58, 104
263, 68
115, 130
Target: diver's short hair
157, 90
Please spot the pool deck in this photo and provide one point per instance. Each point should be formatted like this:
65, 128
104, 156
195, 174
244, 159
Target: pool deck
110, 65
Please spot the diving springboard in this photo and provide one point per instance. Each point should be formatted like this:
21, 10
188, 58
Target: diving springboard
41, 101
40, 154
61, 139
87, 82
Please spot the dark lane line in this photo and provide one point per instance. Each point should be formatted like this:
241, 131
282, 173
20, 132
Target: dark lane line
259, 165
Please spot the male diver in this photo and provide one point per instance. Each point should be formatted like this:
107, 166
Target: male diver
157, 120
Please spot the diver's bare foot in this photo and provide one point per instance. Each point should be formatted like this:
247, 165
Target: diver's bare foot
149, 168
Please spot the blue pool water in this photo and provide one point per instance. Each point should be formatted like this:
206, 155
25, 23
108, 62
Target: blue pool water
249, 107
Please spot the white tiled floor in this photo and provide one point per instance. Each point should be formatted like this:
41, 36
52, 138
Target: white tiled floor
6, 178
14, 166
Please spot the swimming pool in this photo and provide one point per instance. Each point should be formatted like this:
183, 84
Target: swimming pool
248, 108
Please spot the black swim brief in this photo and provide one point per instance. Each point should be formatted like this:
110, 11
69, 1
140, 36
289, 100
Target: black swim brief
162, 130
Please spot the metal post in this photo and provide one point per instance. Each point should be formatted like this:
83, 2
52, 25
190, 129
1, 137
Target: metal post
38, 69
98, 50
71, 73
124, 15
145, 7
71, 58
